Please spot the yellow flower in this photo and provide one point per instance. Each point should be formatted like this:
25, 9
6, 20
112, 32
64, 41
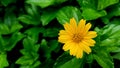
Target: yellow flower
77, 38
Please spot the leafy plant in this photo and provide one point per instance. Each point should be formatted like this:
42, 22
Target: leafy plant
30, 29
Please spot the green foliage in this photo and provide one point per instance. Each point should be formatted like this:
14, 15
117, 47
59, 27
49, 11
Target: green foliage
44, 3
12, 41
29, 32
3, 60
7, 2
104, 62
109, 42
47, 48
116, 56
66, 61
41, 3
34, 33
10, 24
113, 11
27, 19
46, 17
32, 16
73, 63
103, 4
64, 58
30, 56
91, 14
65, 13
8, 43
87, 3
51, 32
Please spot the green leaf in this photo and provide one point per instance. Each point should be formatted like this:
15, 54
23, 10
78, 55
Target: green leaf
113, 10
29, 52
67, 61
44, 43
62, 59
108, 42
117, 56
25, 52
66, 13
107, 29
3, 60
6, 2
46, 17
10, 19
31, 10
91, 14
10, 24
26, 66
105, 3
25, 60
45, 48
115, 21
28, 44
41, 3
13, 41
30, 48
88, 3
110, 34
51, 32
27, 19
113, 49
53, 44
34, 32
15, 27
109, 38
89, 58
104, 59
36, 64
59, 1
76, 63
4, 29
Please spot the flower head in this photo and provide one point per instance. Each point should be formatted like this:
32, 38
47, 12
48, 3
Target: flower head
77, 38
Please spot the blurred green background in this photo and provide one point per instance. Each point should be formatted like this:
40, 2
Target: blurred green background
29, 33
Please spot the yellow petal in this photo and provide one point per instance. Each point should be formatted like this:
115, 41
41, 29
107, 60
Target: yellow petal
73, 49
81, 25
86, 29
67, 45
63, 32
89, 42
85, 48
68, 28
73, 24
79, 53
64, 38
90, 34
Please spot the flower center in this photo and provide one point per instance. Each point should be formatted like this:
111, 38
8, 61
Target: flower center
77, 38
